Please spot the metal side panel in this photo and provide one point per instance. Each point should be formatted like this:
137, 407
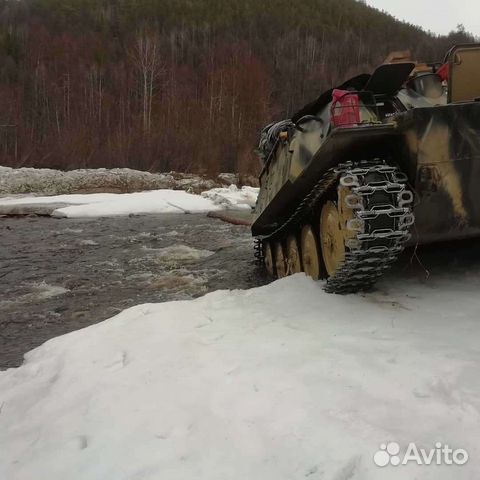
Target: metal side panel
464, 83
444, 145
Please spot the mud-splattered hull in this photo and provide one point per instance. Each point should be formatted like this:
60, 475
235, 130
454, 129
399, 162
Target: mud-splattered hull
295, 169
438, 148
441, 155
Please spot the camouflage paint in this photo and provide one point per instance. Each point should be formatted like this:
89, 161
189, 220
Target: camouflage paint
437, 147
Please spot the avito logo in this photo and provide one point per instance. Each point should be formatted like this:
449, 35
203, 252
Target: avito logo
389, 454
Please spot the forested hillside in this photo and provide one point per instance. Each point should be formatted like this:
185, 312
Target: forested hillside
176, 84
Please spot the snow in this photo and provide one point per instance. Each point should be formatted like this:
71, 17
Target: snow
155, 201
120, 180
46, 181
279, 382
233, 197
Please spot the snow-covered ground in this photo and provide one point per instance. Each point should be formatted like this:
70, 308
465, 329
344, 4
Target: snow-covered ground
155, 201
45, 181
279, 382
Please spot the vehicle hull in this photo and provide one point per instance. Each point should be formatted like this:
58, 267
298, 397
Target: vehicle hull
438, 148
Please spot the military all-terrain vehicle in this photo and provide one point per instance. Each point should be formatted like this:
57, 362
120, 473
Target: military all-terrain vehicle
378, 163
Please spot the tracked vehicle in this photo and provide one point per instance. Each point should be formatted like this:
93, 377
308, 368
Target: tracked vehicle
381, 162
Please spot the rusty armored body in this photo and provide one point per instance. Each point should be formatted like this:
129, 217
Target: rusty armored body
380, 162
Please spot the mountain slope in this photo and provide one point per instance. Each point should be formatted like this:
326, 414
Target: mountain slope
176, 84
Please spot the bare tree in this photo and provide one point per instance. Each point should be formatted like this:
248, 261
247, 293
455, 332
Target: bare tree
146, 59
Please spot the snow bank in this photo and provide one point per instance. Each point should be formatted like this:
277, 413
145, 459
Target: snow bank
279, 382
233, 197
156, 201
45, 181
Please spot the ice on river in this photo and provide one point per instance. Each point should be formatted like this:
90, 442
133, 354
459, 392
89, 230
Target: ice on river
180, 253
37, 292
155, 201
279, 382
233, 197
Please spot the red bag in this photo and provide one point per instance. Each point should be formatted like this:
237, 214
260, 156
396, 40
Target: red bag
345, 110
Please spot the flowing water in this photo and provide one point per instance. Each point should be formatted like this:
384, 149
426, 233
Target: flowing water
59, 275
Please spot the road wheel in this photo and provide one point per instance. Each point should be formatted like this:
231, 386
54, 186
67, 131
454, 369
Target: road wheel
332, 238
280, 264
268, 256
294, 261
310, 253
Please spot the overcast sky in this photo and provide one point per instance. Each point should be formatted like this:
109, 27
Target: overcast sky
439, 16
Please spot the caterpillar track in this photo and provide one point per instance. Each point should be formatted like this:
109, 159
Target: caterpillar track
360, 214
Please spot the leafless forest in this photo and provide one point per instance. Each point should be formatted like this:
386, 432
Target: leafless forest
181, 85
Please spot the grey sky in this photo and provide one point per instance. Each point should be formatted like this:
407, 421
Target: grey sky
439, 16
